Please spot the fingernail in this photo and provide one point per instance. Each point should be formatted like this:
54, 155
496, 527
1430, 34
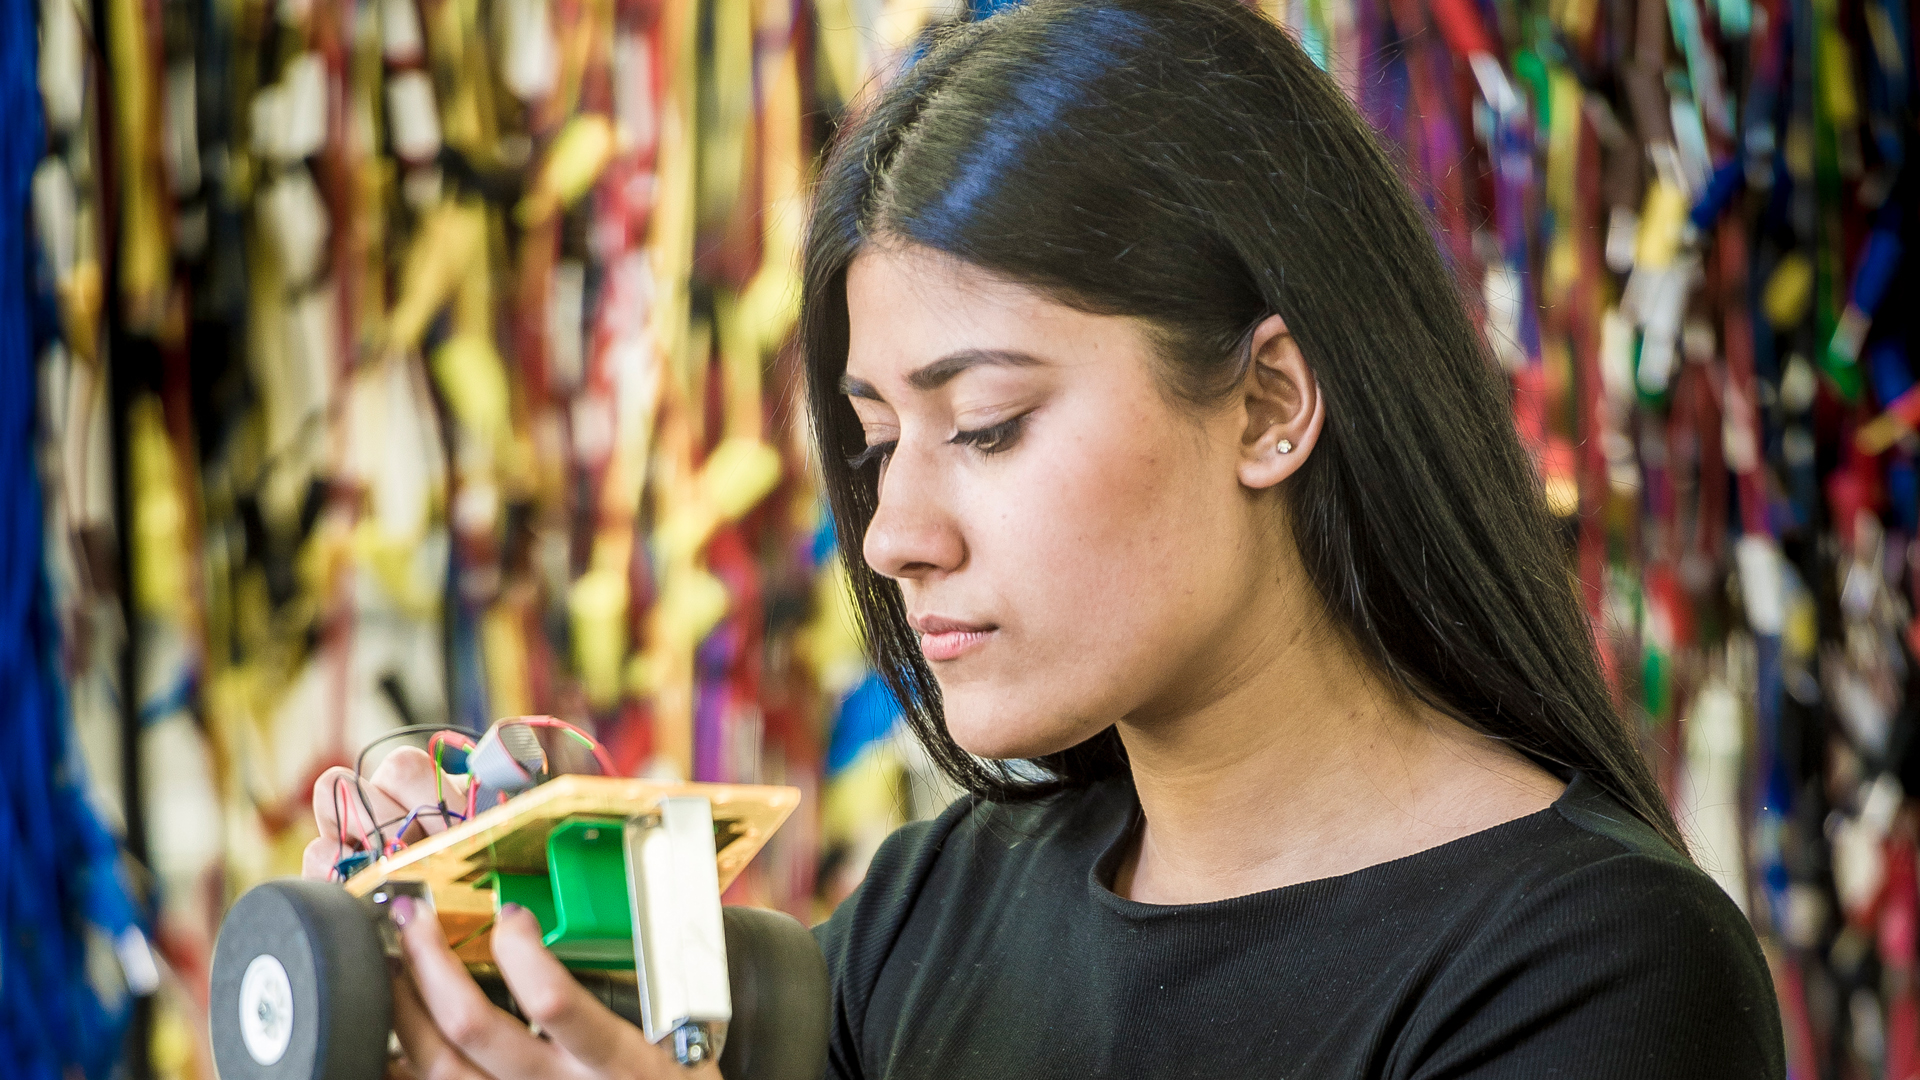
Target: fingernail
402, 909
508, 911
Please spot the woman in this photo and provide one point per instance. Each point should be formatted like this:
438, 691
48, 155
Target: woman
1185, 514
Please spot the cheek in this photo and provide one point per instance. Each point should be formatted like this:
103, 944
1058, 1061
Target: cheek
1107, 557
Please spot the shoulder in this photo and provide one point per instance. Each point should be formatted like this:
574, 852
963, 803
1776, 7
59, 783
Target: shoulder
1594, 859
1609, 948
1614, 871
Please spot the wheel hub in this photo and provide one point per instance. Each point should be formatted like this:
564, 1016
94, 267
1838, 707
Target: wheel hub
266, 1009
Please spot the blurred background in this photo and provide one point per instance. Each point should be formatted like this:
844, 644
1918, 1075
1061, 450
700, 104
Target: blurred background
375, 362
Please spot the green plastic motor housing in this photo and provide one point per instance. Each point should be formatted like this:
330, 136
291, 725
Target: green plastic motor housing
581, 901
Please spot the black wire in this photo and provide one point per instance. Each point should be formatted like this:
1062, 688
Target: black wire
339, 826
360, 763
423, 811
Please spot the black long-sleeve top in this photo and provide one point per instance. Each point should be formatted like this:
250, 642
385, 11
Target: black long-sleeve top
1572, 944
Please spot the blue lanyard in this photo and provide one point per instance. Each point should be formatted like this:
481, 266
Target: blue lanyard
59, 868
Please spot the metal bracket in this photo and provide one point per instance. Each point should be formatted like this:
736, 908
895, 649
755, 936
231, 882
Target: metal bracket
379, 901
679, 939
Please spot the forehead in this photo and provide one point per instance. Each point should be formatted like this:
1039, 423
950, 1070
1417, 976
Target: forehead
909, 306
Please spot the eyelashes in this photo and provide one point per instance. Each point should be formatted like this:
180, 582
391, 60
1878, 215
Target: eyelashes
876, 452
997, 439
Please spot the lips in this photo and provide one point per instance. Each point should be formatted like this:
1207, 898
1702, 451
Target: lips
943, 639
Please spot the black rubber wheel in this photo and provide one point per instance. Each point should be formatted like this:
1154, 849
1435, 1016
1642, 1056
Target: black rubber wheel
300, 988
780, 998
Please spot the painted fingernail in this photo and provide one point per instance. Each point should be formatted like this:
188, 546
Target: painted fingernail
402, 909
508, 911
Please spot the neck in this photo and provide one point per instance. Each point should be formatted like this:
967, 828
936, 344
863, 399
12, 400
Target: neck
1302, 765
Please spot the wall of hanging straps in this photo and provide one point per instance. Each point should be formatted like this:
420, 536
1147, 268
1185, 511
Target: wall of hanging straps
1687, 225
426, 361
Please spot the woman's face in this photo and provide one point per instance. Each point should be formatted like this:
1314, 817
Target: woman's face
1073, 548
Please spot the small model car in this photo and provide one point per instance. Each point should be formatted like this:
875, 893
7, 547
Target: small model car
624, 874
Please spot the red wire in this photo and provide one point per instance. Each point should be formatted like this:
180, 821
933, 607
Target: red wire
443, 736
366, 842
440, 738
599, 752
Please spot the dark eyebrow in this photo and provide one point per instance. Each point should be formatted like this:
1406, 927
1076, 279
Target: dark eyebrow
938, 373
859, 388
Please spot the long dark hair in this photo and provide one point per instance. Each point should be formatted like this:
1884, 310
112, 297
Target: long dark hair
1184, 161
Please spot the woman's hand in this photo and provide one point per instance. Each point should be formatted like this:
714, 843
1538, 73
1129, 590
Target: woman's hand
450, 1031
447, 1026
402, 783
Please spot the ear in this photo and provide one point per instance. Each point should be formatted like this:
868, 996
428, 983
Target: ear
1284, 409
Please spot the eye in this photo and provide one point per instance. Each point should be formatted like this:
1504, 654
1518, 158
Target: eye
997, 439
878, 452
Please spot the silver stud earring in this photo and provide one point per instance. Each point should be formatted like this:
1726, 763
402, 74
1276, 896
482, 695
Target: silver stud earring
1285, 446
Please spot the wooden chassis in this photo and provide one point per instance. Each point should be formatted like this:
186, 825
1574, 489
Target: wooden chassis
512, 837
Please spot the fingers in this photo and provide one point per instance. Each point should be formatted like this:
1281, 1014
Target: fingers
316, 862
407, 776
339, 811
402, 783
428, 1055
597, 1038
483, 1034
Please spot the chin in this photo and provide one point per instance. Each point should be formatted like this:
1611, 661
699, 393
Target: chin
1001, 734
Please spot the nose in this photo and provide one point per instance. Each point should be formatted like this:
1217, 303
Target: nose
912, 534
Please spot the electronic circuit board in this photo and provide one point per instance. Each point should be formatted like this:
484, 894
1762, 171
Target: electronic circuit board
460, 865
